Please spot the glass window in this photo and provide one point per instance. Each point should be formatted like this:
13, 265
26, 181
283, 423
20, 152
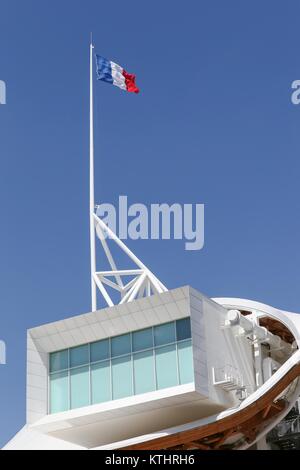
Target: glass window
142, 339
100, 382
120, 345
100, 350
185, 362
122, 377
79, 355
164, 334
166, 366
143, 370
59, 360
183, 329
142, 361
80, 387
59, 392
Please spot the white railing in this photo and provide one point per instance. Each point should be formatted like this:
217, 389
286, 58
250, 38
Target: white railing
227, 378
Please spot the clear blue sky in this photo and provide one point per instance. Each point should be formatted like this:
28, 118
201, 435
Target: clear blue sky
213, 124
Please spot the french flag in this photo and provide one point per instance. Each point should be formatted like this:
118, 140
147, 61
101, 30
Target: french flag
113, 73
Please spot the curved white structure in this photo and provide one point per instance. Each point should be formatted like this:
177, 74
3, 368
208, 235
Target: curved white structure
292, 322
163, 439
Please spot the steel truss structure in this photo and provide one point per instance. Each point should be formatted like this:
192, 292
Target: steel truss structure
143, 283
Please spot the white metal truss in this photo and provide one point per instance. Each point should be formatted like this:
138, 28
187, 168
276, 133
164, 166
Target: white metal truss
143, 283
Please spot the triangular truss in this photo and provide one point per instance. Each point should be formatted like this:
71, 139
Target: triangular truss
129, 283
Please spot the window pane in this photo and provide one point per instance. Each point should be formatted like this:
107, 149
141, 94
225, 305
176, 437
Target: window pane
166, 366
59, 360
79, 355
80, 390
143, 366
100, 381
185, 359
183, 329
142, 339
164, 334
122, 377
100, 350
59, 392
120, 345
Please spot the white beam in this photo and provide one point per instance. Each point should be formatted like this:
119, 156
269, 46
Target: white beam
128, 294
108, 254
103, 291
129, 253
109, 283
124, 272
92, 189
137, 287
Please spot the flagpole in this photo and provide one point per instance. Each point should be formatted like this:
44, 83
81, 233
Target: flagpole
92, 187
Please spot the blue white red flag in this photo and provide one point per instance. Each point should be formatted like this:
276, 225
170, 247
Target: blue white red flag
110, 72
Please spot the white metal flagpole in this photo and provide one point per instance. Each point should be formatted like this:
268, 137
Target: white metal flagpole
144, 280
92, 187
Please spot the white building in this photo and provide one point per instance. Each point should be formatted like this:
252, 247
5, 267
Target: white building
139, 375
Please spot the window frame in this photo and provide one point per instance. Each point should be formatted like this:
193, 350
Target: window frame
110, 359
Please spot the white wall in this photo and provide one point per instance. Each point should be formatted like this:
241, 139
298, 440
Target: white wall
37, 381
81, 329
215, 347
210, 348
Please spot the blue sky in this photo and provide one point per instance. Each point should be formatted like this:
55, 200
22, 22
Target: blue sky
213, 124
